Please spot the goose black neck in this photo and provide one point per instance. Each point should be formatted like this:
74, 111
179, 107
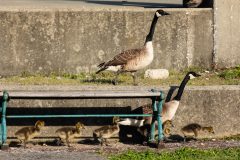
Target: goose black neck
181, 88
152, 29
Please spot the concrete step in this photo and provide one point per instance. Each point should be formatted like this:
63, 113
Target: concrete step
217, 106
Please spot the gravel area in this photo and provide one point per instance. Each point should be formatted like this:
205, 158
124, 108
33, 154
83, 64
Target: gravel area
95, 152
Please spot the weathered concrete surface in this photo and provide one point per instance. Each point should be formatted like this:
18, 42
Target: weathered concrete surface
218, 106
77, 40
227, 35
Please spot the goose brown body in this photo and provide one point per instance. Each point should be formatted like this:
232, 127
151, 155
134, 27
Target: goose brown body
131, 60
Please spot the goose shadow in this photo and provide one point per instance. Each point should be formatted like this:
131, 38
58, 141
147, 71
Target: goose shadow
134, 4
101, 81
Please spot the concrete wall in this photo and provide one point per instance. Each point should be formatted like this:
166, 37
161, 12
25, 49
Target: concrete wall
77, 40
218, 106
227, 35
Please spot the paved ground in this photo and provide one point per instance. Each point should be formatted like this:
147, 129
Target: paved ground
88, 151
90, 3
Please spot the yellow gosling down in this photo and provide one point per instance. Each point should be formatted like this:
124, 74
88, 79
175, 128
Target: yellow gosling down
107, 132
66, 134
166, 127
193, 130
27, 133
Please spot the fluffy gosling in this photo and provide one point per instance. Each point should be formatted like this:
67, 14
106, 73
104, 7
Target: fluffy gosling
27, 133
106, 132
68, 133
192, 130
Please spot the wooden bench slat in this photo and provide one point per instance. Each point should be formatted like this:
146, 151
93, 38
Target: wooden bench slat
82, 94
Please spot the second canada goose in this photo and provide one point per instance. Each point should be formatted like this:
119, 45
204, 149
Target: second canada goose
194, 129
68, 133
27, 133
169, 108
106, 132
134, 59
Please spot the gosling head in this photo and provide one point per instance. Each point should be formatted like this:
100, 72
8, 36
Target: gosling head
161, 12
79, 125
116, 119
40, 124
210, 129
193, 75
168, 123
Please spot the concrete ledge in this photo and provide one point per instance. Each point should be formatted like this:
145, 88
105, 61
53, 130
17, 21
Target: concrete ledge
218, 106
75, 40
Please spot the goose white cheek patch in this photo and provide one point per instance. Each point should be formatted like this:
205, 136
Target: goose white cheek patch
158, 15
191, 76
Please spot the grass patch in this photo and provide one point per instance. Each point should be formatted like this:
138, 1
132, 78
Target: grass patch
233, 73
233, 137
181, 154
223, 77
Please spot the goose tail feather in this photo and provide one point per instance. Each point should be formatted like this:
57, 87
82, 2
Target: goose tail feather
102, 67
131, 122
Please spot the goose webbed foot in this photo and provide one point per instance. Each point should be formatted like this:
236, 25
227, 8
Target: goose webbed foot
135, 82
115, 82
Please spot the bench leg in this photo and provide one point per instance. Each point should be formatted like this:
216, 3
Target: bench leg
3, 130
159, 121
152, 130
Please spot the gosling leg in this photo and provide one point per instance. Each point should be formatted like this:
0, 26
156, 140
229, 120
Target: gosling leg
67, 140
195, 134
24, 143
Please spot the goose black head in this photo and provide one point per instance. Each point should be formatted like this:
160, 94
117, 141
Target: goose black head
161, 12
193, 75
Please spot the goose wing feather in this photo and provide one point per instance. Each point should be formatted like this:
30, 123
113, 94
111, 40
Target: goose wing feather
124, 57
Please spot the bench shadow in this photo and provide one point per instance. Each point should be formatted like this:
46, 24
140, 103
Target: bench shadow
88, 121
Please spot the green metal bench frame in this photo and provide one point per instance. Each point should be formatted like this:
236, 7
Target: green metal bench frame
156, 96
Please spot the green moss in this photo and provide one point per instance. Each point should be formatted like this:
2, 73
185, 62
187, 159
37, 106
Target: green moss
224, 77
181, 154
233, 73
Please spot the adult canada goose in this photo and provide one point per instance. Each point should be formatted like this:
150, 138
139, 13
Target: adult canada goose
68, 133
27, 133
106, 132
169, 108
134, 59
194, 129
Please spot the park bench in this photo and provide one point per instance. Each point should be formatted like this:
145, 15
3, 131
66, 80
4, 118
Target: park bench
155, 95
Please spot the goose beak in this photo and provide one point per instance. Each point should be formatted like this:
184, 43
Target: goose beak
166, 13
198, 75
